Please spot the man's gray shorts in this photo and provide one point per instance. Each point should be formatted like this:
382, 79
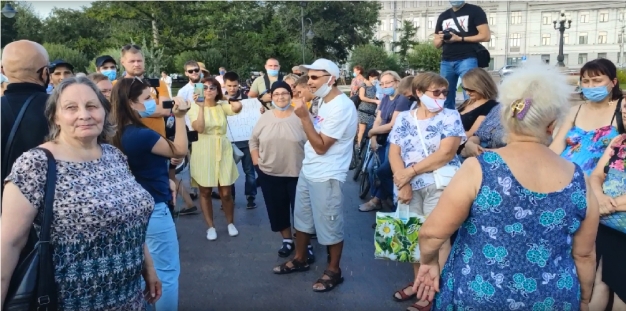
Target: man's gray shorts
318, 209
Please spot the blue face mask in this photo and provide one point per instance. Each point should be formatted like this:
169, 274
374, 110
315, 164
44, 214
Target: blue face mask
109, 73
201, 75
595, 94
150, 108
279, 108
272, 72
222, 72
389, 91
457, 4
354, 74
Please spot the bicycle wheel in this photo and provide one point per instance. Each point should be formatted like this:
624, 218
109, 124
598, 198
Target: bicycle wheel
354, 163
364, 185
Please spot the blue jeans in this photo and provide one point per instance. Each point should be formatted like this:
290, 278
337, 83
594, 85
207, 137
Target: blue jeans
248, 169
453, 71
162, 243
385, 175
377, 192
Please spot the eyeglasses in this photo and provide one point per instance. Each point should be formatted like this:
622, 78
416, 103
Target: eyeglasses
196, 70
281, 94
317, 77
437, 93
468, 90
210, 88
131, 46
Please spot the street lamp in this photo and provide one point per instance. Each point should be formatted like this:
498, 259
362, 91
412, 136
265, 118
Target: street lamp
561, 28
8, 11
310, 34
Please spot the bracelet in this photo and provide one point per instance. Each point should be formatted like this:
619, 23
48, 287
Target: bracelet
414, 171
462, 39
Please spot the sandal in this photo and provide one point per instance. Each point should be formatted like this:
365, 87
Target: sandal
403, 295
416, 307
335, 279
296, 266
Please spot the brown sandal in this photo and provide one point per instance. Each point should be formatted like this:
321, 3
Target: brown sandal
335, 279
403, 295
417, 307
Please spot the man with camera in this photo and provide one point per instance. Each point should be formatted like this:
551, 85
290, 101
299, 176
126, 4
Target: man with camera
458, 32
262, 84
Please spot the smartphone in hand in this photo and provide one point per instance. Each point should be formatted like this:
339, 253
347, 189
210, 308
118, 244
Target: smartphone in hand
168, 104
198, 89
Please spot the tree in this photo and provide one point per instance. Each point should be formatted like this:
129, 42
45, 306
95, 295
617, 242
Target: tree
373, 57
74, 29
25, 25
425, 57
406, 41
74, 57
211, 58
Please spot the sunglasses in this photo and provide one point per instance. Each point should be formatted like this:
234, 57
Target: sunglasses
468, 90
195, 70
131, 46
317, 77
436, 93
211, 88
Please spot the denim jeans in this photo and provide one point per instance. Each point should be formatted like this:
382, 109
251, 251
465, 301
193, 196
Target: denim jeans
453, 71
248, 169
378, 192
385, 176
162, 243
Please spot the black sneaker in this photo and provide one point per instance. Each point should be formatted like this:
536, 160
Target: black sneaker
188, 211
193, 196
251, 203
286, 249
215, 195
311, 258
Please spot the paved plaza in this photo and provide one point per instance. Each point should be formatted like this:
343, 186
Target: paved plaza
235, 273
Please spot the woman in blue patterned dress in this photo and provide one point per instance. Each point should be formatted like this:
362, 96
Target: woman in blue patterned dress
100, 212
527, 222
589, 127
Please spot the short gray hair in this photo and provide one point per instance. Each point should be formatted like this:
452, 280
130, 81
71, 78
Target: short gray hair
108, 129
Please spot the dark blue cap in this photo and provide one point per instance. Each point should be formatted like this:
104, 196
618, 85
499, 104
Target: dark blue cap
60, 62
103, 59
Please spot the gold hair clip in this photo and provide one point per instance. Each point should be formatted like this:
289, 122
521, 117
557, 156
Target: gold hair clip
520, 108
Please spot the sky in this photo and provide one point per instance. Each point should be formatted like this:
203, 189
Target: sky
44, 8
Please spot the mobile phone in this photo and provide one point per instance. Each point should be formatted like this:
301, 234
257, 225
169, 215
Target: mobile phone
168, 104
198, 89
192, 136
153, 82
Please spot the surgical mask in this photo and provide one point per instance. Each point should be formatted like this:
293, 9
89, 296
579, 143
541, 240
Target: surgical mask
150, 108
323, 90
389, 91
272, 72
109, 73
433, 105
457, 4
279, 108
595, 94
354, 74
222, 72
202, 75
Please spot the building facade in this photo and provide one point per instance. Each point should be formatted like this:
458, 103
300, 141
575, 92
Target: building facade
524, 29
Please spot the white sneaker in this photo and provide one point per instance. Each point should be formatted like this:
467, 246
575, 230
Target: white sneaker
232, 231
211, 234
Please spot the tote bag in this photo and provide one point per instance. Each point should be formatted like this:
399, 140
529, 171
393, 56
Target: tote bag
397, 234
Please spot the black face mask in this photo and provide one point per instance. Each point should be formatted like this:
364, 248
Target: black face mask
47, 80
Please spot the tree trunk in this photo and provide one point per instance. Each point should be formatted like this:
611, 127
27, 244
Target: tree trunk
155, 31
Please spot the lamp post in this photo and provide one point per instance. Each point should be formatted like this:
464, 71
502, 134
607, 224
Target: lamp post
310, 34
8, 11
561, 28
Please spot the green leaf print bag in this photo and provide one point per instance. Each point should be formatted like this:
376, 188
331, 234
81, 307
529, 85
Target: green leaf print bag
396, 235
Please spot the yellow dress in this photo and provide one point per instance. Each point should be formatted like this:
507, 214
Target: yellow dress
211, 162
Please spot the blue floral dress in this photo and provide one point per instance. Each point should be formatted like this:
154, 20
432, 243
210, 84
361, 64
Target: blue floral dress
514, 251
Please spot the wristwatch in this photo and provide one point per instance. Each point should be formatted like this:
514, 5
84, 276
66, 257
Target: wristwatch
462, 39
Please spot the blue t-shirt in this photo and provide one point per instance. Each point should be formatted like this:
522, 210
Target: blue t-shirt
150, 170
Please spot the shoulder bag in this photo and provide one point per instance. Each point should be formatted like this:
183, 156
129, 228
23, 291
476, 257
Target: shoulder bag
32, 285
483, 56
237, 153
442, 175
8, 148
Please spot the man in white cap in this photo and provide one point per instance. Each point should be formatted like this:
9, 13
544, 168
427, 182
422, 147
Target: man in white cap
318, 203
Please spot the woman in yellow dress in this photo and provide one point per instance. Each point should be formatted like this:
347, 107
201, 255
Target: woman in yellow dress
211, 163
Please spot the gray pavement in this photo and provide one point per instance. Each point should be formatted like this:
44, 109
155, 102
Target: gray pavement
235, 273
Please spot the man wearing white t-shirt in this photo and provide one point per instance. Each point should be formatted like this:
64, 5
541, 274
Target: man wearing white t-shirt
327, 154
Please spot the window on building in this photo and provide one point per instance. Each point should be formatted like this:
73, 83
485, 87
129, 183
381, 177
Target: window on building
584, 17
429, 3
383, 25
492, 42
545, 39
566, 38
516, 18
546, 19
582, 38
492, 19
621, 16
582, 58
439, 3
601, 55
513, 61
619, 38
602, 35
604, 16
515, 39
416, 22
391, 25
431, 22
565, 59
619, 58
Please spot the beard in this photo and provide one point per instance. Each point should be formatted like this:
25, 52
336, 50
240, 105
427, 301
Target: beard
136, 73
196, 80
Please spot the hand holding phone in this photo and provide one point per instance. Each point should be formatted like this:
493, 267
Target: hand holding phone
168, 104
199, 90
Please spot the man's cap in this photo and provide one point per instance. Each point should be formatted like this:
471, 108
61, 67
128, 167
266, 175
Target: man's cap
104, 59
202, 68
60, 62
322, 64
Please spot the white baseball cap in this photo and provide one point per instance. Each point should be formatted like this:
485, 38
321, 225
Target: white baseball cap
323, 64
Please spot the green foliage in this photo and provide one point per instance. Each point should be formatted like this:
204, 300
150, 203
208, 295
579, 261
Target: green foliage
154, 58
74, 57
76, 30
406, 41
373, 57
25, 25
211, 58
621, 76
424, 57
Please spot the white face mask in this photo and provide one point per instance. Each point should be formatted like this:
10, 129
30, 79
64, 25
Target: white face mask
323, 90
433, 105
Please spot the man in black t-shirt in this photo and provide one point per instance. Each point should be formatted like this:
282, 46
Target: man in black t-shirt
459, 50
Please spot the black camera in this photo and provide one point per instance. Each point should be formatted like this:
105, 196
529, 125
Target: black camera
447, 34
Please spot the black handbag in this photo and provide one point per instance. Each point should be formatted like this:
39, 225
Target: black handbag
32, 285
483, 57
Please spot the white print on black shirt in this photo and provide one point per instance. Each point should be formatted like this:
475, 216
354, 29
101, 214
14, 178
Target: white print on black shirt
449, 23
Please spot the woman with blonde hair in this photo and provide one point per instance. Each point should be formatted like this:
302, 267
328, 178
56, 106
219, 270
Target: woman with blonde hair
527, 224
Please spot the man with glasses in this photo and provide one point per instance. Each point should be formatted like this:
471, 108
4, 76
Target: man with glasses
318, 204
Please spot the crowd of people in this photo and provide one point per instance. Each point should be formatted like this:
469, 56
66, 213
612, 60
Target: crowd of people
523, 193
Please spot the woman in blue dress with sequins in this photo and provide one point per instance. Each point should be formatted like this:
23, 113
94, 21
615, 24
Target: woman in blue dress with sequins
527, 223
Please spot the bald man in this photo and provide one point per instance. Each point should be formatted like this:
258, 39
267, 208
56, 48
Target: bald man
25, 64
